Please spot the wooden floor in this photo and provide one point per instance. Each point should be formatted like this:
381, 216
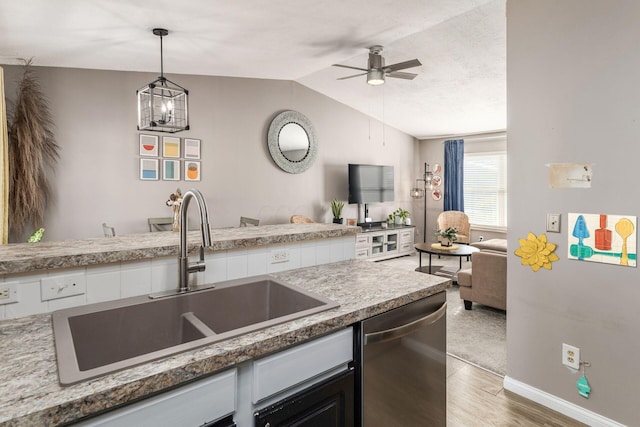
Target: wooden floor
475, 398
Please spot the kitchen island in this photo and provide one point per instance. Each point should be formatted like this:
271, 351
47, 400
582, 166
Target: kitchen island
30, 393
29, 257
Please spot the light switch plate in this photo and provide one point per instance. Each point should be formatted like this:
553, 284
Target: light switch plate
55, 287
553, 223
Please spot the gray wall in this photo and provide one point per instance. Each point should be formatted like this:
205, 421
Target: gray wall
97, 177
573, 96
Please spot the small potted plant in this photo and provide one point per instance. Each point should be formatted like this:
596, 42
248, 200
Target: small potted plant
401, 216
336, 209
447, 236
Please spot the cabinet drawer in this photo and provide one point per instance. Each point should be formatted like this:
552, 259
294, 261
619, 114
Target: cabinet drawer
362, 240
362, 253
406, 236
190, 405
406, 248
283, 370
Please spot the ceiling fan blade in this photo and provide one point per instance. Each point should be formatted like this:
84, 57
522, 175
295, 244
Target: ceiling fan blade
401, 75
401, 66
349, 66
349, 77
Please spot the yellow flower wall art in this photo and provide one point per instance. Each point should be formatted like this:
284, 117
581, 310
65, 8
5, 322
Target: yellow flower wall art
536, 252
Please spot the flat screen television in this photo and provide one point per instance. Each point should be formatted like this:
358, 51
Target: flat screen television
370, 183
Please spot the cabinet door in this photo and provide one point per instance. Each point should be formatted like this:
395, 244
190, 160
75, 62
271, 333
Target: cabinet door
392, 242
194, 404
377, 244
406, 236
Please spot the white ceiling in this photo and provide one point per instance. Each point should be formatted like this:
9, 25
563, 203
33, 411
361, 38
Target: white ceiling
460, 88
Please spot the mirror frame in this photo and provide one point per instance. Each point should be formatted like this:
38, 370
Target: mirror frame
280, 121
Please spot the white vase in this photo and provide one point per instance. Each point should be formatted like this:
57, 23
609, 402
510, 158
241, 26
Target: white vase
407, 221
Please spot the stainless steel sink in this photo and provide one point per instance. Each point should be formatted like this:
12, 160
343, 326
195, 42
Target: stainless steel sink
97, 339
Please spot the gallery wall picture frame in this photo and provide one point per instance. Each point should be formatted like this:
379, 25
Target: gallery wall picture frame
171, 147
148, 145
191, 170
148, 169
191, 148
170, 170
436, 194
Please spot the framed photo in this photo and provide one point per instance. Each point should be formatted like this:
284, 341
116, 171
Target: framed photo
149, 169
436, 194
170, 170
191, 148
191, 170
171, 147
148, 145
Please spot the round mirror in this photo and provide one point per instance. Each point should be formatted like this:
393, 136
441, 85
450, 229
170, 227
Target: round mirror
292, 142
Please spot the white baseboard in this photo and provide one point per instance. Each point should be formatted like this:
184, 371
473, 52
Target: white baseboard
559, 405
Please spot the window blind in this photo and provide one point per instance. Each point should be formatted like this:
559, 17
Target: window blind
485, 188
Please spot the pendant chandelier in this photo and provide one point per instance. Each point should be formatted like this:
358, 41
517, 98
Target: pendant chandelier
163, 106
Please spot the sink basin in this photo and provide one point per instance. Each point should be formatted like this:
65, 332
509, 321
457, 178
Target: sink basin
97, 339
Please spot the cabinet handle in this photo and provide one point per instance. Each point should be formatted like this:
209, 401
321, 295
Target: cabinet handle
403, 330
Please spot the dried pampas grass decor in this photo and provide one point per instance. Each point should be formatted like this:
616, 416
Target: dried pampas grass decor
32, 152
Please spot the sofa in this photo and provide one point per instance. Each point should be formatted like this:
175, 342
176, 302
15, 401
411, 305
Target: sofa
486, 281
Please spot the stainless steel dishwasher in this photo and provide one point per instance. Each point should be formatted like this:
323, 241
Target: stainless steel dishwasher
404, 365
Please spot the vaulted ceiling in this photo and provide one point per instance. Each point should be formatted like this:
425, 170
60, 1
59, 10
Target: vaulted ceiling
460, 88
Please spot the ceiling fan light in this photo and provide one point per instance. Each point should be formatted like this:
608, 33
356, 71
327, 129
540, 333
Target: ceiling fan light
375, 77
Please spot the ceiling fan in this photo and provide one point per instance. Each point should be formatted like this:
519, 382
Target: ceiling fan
377, 71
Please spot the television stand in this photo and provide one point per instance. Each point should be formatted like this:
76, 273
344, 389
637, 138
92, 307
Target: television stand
376, 243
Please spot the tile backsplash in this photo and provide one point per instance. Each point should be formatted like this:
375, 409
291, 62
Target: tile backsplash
126, 279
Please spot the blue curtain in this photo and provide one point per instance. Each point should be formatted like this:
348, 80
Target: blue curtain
453, 175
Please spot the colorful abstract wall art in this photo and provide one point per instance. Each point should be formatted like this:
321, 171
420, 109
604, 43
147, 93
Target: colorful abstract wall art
170, 147
609, 239
148, 145
191, 171
171, 157
171, 170
149, 169
191, 148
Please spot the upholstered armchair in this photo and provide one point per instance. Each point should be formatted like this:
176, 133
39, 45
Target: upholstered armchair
486, 281
460, 221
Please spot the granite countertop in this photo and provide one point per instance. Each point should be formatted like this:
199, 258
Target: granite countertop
30, 393
29, 257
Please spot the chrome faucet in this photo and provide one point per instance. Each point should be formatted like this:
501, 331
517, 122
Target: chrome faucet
184, 269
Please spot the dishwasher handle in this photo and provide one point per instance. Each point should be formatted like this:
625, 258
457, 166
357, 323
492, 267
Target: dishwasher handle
403, 330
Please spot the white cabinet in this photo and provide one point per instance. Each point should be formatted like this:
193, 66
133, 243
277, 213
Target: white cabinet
289, 368
191, 405
241, 390
383, 244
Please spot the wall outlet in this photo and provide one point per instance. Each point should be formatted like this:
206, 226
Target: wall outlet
553, 223
55, 287
570, 356
8, 292
278, 256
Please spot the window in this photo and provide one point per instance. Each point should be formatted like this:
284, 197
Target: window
485, 189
